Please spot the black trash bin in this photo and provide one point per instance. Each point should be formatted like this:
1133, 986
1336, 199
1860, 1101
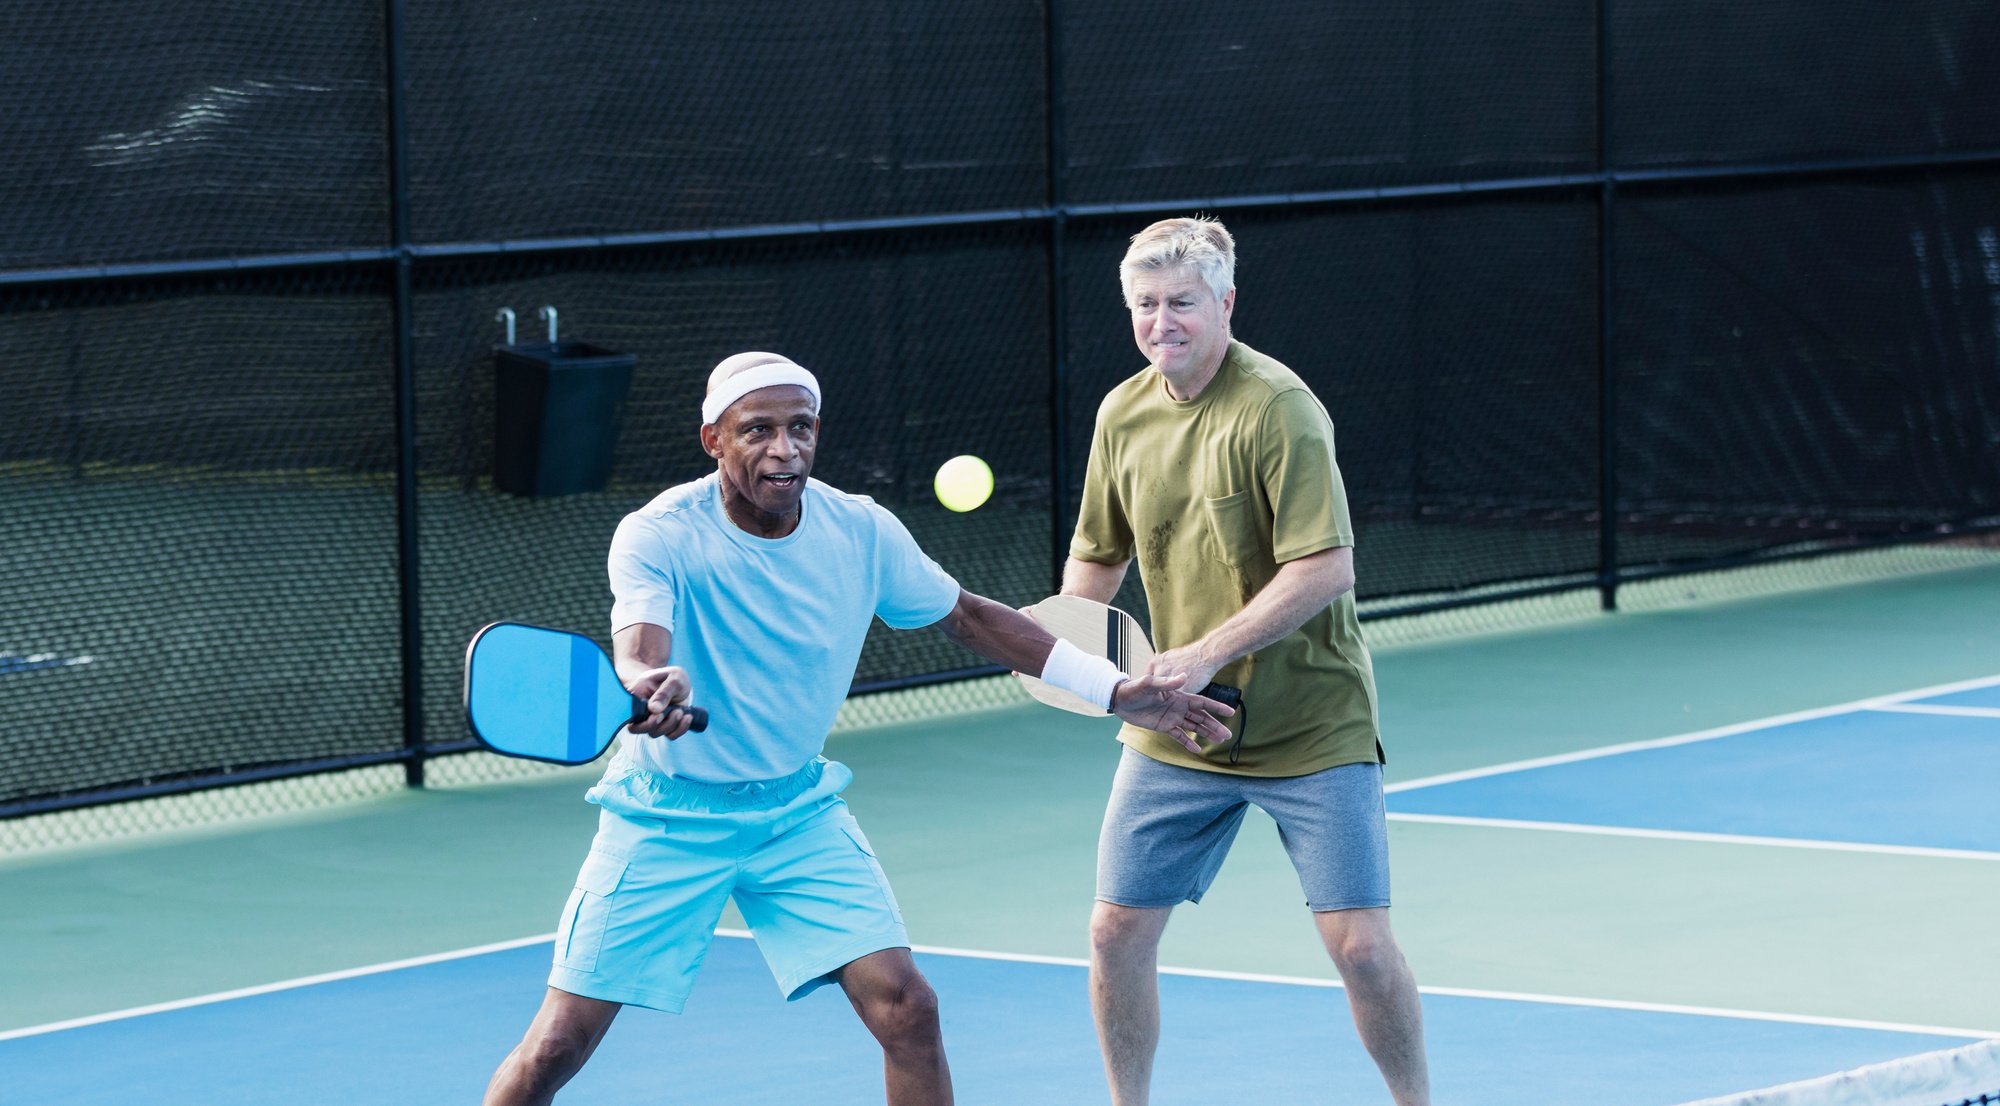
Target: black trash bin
555, 416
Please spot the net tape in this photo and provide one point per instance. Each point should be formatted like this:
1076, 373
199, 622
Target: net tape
1967, 1076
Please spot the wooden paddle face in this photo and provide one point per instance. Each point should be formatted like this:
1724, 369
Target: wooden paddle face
1097, 629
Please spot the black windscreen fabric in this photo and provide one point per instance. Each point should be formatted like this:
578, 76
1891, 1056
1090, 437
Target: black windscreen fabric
200, 129
1806, 364
1702, 82
625, 115
248, 374
198, 532
1180, 101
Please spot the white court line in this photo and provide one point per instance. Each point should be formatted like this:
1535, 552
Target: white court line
272, 988
1875, 702
1941, 689
1027, 958
1690, 835
1925, 708
1468, 992
1718, 1012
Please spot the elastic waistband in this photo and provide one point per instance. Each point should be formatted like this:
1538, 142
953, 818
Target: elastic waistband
675, 793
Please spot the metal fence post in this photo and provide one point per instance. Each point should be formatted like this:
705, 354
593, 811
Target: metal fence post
406, 396
1052, 87
1607, 339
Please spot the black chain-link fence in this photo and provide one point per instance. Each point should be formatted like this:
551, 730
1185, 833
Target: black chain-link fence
1590, 299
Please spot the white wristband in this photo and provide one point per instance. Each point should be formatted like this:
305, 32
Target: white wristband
1092, 679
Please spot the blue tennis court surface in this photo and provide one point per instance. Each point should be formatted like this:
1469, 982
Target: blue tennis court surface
1871, 777
1018, 1032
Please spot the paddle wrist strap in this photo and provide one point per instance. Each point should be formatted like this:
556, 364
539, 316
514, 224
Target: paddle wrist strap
1092, 679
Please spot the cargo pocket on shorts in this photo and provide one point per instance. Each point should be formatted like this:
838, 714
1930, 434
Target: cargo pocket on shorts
853, 831
581, 934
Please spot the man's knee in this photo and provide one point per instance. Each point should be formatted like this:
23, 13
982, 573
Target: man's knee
1360, 943
1125, 930
548, 1056
906, 1015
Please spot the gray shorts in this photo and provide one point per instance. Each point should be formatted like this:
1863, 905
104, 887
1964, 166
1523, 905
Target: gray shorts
1167, 829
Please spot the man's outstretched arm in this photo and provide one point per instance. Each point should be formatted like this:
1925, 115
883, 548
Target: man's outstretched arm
1002, 634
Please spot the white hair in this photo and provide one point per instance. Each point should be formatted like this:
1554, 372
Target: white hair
1199, 242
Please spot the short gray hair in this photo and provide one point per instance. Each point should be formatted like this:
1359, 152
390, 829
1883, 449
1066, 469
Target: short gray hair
1198, 242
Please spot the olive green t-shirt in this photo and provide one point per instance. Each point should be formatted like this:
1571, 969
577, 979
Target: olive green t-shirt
1211, 496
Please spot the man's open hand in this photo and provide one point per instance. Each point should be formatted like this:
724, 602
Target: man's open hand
1158, 703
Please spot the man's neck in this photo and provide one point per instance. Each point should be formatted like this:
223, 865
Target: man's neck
745, 516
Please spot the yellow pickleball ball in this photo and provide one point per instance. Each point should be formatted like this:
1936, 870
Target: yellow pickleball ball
964, 482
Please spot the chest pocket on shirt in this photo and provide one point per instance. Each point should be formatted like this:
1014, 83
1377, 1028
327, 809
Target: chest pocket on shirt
1230, 528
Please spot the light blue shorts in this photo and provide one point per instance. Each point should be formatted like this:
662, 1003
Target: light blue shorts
669, 853
1167, 829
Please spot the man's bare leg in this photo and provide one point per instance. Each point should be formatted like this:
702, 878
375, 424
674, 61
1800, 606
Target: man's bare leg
900, 1009
1383, 995
566, 1030
1125, 995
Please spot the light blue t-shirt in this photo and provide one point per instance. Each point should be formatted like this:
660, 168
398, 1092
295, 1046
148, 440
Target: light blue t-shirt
769, 631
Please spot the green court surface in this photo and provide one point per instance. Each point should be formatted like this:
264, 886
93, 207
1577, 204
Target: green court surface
986, 821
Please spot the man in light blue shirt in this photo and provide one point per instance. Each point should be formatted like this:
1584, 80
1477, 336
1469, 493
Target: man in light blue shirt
753, 589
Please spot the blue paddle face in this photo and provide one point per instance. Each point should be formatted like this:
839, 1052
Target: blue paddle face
542, 694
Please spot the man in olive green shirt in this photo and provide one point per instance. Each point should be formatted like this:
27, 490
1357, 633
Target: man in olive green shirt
1214, 466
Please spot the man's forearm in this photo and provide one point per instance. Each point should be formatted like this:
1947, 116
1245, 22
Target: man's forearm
1092, 580
998, 633
1301, 589
638, 649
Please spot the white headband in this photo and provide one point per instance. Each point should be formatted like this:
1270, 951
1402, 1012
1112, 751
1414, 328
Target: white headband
768, 375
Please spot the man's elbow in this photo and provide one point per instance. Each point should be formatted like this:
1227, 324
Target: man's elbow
1336, 572
1343, 580
957, 623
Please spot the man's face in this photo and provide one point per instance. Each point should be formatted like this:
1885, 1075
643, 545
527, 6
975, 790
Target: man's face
1179, 324
764, 446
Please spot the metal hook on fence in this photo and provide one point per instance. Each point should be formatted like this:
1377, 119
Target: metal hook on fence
506, 315
547, 312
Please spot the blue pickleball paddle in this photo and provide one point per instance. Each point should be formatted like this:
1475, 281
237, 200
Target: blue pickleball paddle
544, 694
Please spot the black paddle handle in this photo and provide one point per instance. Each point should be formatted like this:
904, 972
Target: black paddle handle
641, 712
1231, 697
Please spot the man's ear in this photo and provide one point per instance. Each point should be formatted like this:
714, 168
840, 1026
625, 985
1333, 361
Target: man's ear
711, 440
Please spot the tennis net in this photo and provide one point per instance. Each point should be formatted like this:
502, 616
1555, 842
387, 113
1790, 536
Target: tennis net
1967, 1076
